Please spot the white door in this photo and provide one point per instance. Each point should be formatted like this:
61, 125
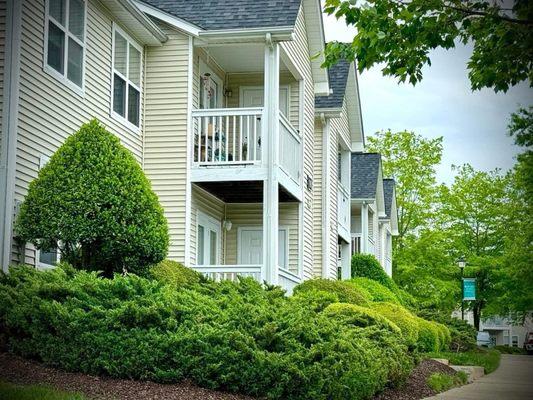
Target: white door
253, 97
250, 250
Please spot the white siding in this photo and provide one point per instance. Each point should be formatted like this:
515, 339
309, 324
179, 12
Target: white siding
298, 52
2, 58
49, 111
165, 146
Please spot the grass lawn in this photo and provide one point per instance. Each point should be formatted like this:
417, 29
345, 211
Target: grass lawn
9, 391
488, 359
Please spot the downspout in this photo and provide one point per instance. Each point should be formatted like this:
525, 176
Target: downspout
325, 196
9, 128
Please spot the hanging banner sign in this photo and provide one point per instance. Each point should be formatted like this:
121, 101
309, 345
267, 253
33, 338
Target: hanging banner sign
469, 288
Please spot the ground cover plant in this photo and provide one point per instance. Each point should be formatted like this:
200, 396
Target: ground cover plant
488, 359
9, 391
441, 382
234, 336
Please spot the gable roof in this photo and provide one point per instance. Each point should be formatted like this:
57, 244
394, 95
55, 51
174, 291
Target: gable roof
234, 14
388, 189
338, 77
364, 175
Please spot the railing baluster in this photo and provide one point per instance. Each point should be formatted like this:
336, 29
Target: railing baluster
226, 134
255, 137
213, 119
234, 137
206, 136
240, 137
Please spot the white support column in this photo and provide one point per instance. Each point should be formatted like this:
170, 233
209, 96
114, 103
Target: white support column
364, 228
271, 184
326, 198
346, 267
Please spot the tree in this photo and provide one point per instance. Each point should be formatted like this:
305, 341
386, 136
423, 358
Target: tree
410, 159
472, 214
93, 201
401, 33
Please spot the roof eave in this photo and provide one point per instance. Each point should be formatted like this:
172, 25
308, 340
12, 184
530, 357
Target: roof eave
172, 20
144, 29
277, 34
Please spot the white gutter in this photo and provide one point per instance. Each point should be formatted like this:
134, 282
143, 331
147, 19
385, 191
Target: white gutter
251, 35
333, 112
176, 22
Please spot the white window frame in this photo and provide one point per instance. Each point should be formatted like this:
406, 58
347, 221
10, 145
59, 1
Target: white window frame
62, 77
209, 223
43, 160
204, 68
124, 119
260, 228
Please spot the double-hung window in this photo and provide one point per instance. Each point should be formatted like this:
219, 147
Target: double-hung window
126, 94
65, 40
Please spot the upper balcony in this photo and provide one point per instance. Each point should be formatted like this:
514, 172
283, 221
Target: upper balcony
236, 120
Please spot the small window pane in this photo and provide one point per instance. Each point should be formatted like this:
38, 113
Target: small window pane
135, 66
133, 105
121, 46
75, 62
119, 95
213, 92
56, 47
282, 242
56, 10
213, 248
76, 15
200, 245
48, 257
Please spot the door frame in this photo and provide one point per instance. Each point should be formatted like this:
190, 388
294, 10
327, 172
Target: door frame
241, 228
208, 223
255, 87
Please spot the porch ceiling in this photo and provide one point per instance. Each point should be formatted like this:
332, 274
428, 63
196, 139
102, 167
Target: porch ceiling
242, 191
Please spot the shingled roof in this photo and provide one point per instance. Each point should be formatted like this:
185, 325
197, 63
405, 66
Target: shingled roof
365, 172
234, 14
338, 76
388, 191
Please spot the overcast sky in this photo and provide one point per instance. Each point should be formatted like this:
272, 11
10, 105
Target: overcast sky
473, 124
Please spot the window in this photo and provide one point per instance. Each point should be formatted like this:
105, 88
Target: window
65, 40
208, 240
515, 341
49, 258
126, 93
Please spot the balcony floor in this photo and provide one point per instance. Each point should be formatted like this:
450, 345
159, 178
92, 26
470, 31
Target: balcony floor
242, 191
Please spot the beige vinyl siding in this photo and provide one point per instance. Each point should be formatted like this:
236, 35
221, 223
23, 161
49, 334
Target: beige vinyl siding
318, 198
202, 201
251, 214
2, 59
49, 111
298, 51
165, 143
342, 123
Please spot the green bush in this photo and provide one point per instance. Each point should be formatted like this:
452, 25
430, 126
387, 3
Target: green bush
406, 321
462, 335
428, 336
175, 274
233, 336
367, 266
488, 359
360, 316
377, 291
93, 200
345, 291
440, 382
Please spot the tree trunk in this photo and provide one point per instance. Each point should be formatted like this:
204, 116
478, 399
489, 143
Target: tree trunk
478, 305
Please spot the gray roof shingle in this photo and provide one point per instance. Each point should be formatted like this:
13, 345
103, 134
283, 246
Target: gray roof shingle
388, 190
365, 172
234, 14
338, 76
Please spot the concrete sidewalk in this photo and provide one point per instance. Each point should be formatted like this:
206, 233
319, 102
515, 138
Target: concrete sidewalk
513, 380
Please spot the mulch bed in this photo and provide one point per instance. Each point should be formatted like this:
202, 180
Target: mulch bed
416, 387
20, 371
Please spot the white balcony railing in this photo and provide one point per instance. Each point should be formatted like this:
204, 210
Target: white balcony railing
229, 272
290, 154
356, 243
227, 136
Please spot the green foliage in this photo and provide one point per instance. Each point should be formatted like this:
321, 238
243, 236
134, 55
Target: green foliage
510, 350
345, 291
360, 316
488, 359
462, 334
440, 382
401, 35
93, 201
233, 336
175, 274
431, 337
406, 321
377, 291
9, 391
367, 266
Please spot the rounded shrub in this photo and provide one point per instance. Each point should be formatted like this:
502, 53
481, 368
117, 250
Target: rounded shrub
428, 336
377, 291
93, 200
367, 266
175, 274
317, 300
345, 291
406, 321
360, 316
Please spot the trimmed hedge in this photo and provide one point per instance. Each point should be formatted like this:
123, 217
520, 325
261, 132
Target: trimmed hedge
345, 291
377, 291
175, 274
234, 336
406, 321
367, 266
460, 335
428, 336
360, 316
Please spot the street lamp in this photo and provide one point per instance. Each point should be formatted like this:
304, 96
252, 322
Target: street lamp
461, 262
